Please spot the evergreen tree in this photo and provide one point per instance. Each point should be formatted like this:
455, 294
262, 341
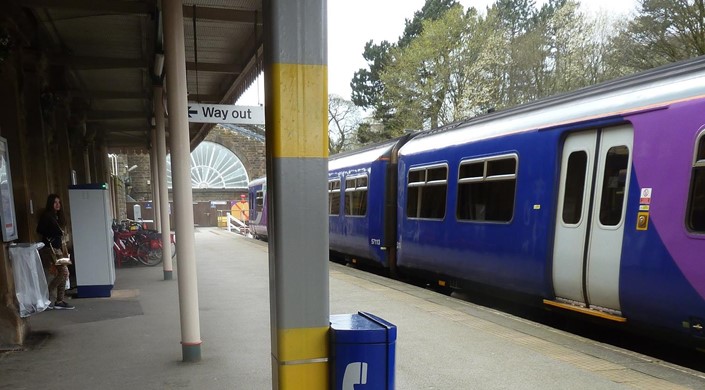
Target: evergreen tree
367, 89
664, 31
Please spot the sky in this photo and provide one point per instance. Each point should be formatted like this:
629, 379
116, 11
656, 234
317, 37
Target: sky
353, 23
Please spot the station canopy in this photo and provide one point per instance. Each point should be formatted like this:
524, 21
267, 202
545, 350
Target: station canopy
109, 51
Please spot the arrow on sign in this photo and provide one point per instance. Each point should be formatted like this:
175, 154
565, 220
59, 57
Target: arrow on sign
190, 111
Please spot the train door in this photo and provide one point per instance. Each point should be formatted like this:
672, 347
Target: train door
594, 181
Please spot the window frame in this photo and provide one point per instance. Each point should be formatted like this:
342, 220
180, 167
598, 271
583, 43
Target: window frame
426, 183
699, 166
584, 189
605, 193
332, 189
350, 191
487, 179
259, 201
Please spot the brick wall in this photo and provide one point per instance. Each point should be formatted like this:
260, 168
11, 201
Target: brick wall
249, 150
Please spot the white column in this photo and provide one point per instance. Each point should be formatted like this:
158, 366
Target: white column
154, 180
181, 177
161, 177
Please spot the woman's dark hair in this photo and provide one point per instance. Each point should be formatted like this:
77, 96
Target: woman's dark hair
49, 209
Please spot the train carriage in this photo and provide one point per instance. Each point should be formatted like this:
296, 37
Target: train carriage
257, 192
362, 208
590, 200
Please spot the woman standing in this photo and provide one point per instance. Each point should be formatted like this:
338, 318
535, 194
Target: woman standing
51, 227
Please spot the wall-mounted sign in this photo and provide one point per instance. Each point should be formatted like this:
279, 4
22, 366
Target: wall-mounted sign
225, 113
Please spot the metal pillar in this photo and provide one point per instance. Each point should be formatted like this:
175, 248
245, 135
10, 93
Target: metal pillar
154, 180
174, 54
86, 165
86, 156
161, 178
297, 174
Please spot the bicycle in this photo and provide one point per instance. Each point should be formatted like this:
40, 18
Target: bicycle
133, 242
124, 247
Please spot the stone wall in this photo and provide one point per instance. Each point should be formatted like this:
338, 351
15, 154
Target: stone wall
139, 180
249, 150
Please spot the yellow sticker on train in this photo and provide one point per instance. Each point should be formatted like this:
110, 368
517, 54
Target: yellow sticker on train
642, 221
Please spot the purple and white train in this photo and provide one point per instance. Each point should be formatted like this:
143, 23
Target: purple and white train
591, 201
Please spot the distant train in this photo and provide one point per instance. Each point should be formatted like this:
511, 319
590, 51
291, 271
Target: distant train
256, 190
591, 201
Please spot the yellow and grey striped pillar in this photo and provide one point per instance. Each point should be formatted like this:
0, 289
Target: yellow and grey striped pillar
175, 61
297, 172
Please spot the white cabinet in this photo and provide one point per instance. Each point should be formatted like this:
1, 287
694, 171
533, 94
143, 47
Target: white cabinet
91, 224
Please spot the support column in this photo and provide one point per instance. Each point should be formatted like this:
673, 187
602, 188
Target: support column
297, 175
154, 179
161, 177
174, 53
86, 153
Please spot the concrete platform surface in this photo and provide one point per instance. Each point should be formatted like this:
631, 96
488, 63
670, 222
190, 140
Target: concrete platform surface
132, 340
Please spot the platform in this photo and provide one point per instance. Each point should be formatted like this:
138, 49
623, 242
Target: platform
131, 340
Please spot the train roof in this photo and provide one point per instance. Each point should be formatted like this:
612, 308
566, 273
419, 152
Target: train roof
654, 88
365, 155
257, 181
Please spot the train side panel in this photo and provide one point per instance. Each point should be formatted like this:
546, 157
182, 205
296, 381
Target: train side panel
502, 251
357, 226
662, 278
352, 232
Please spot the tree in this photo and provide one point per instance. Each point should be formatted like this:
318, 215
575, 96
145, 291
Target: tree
530, 54
425, 81
367, 89
664, 31
516, 19
370, 132
366, 86
575, 50
343, 120
431, 10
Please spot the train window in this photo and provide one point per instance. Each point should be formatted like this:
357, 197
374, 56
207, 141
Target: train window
472, 170
333, 197
427, 192
417, 176
505, 166
696, 203
615, 179
259, 201
574, 187
486, 189
356, 196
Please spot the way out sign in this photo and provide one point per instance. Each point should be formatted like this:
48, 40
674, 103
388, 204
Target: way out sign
225, 113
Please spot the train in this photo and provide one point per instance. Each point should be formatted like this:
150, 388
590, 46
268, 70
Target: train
256, 192
590, 202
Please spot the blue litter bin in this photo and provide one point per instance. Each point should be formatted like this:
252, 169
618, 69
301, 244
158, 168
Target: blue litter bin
362, 352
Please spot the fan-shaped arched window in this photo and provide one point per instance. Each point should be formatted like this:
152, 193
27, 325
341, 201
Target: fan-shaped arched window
213, 166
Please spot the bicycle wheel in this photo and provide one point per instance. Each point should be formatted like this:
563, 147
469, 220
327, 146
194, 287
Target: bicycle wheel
149, 256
